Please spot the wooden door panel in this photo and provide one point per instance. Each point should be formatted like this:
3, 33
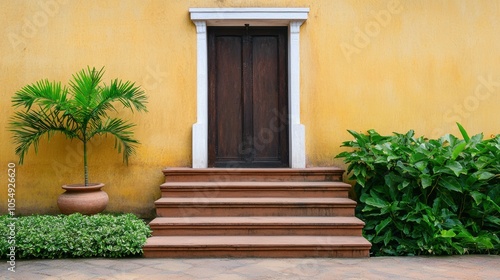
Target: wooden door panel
229, 103
265, 97
248, 98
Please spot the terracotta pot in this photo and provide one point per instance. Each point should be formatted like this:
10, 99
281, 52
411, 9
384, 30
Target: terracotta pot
87, 200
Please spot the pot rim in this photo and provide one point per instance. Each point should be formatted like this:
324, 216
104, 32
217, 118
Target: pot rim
91, 186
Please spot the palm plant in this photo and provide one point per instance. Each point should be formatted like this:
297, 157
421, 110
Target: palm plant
80, 111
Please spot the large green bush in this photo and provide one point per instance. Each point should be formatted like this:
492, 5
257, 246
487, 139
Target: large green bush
75, 236
427, 196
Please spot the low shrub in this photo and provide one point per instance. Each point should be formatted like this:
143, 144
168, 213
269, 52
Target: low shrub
422, 196
75, 236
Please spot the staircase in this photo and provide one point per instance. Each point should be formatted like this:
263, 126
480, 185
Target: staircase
278, 212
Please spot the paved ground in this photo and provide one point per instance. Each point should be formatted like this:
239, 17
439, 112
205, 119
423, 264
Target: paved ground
456, 267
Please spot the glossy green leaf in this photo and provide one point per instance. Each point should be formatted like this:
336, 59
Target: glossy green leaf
456, 167
451, 184
457, 150
387, 237
476, 138
477, 196
463, 132
448, 233
376, 202
382, 225
484, 175
426, 180
359, 137
421, 165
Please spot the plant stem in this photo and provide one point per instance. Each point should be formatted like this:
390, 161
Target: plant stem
433, 187
462, 206
85, 166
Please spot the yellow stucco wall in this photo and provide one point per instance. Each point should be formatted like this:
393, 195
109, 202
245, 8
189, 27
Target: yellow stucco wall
387, 65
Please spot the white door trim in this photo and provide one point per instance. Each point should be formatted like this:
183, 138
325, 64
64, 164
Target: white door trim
291, 17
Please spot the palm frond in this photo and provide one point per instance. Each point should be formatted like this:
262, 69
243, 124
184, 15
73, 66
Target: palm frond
130, 96
122, 133
28, 127
126, 93
84, 89
43, 93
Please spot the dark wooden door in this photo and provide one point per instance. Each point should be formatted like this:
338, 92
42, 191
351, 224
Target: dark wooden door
248, 97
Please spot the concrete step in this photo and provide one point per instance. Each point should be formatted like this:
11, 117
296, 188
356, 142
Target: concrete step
256, 246
272, 225
252, 174
255, 189
253, 206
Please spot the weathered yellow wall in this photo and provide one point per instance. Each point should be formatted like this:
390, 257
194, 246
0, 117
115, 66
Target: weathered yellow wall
387, 65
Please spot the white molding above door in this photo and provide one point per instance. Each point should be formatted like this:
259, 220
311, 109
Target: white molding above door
291, 17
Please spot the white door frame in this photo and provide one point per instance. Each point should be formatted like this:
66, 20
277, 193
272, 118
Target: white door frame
291, 17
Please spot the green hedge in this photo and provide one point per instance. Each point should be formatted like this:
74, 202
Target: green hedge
422, 196
74, 236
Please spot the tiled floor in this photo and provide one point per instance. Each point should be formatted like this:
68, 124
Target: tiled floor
455, 267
